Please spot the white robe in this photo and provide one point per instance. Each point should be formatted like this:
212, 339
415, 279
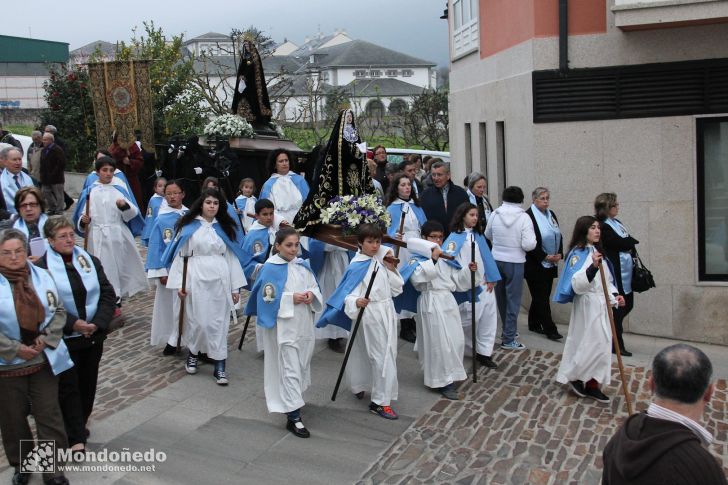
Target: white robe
335, 263
588, 348
165, 314
286, 197
289, 345
486, 308
440, 343
372, 363
213, 274
112, 242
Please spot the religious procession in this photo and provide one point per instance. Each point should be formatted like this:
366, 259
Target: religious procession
339, 246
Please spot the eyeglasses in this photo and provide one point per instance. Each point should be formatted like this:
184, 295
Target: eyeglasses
29, 205
65, 235
9, 254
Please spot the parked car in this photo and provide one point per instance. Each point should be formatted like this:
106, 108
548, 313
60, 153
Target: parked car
397, 154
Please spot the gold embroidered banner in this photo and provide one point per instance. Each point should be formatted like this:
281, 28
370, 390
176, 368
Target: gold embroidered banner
122, 97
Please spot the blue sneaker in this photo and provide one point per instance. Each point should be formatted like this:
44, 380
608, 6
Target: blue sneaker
514, 345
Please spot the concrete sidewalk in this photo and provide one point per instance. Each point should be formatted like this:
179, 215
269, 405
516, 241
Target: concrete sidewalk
214, 434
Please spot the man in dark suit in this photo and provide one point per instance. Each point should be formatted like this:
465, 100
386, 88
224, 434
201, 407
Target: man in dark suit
52, 166
442, 199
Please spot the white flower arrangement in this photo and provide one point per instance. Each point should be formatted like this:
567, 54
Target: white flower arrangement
278, 129
229, 125
350, 211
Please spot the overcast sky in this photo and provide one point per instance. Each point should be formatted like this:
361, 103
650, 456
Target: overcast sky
409, 26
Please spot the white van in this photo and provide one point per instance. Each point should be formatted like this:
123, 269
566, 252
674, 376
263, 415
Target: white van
397, 154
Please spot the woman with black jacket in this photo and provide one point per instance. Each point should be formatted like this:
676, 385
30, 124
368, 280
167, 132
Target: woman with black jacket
542, 263
619, 248
90, 303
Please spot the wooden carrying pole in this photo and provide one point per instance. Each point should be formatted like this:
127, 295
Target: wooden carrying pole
353, 334
181, 322
472, 311
401, 227
87, 229
614, 339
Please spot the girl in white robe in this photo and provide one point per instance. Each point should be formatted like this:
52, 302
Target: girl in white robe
285, 188
288, 333
110, 239
586, 363
440, 342
245, 202
214, 279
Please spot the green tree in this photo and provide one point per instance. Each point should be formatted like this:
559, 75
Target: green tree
426, 122
71, 111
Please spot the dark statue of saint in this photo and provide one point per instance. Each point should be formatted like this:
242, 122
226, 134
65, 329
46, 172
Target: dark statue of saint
250, 100
341, 170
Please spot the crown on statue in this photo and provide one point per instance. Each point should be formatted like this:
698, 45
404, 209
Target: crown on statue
249, 37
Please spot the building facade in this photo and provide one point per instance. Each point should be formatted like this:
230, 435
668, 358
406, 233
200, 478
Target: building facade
624, 96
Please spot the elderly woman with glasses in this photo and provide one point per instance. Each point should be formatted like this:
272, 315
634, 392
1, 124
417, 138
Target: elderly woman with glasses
90, 303
31, 206
32, 353
542, 263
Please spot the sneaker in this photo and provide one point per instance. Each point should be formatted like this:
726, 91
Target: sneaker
515, 345
596, 394
220, 377
297, 428
385, 412
450, 393
191, 364
578, 388
169, 350
486, 361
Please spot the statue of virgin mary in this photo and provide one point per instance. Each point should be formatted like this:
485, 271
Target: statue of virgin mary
341, 170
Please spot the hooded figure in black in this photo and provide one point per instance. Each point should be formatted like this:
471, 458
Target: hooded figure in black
342, 170
250, 100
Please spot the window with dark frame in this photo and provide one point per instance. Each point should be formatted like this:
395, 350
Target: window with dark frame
712, 170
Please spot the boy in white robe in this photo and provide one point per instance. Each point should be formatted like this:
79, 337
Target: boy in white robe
113, 222
285, 299
372, 363
440, 342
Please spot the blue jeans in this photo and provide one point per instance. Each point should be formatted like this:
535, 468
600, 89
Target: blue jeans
508, 293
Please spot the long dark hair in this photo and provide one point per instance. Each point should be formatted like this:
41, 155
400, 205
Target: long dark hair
393, 193
457, 224
581, 229
223, 218
271, 162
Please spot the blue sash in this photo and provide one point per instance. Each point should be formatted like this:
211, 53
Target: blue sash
334, 313
626, 263
576, 258
86, 270
20, 225
265, 297
58, 358
396, 211
550, 232
297, 180
9, 188
152, 212
454, 243
187, 231
136, 225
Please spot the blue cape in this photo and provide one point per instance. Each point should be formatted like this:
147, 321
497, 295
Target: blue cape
187, 232
297, 180
454, 243
266, 309
163, 229
155, 202
395, 212
334, 313
407, 300
136, 225
239, 235
574, 261
93, 177
255, 251
315, 254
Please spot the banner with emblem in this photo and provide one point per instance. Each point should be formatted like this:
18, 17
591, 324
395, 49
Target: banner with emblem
122, 98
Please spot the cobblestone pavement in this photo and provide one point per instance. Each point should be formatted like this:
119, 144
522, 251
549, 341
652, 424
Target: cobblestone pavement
517, 425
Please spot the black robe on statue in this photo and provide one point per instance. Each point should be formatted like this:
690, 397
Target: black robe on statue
341, 170
252, 103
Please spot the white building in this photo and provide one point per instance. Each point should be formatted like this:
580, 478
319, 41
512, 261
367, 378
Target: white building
624, 96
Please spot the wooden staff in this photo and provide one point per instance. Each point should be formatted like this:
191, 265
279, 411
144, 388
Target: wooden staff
353, 334
87, 229
472, 311
181, 321
401, 227
614, 339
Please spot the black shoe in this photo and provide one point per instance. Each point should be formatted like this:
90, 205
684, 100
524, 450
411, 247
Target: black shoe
578, 388
297, 428
554, 336
486, 361
623, 352
338, 345
596, 394
359, 395
407, 330
169, 350
537, 330
449, 392
20, 478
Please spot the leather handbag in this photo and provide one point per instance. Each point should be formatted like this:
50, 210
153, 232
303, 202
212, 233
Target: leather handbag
642, 279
